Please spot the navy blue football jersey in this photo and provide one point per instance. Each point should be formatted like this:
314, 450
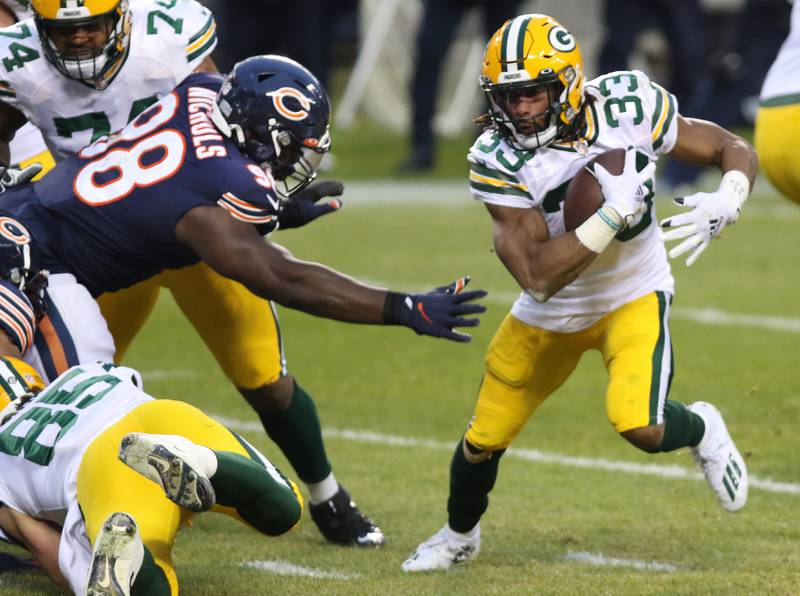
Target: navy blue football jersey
108, 214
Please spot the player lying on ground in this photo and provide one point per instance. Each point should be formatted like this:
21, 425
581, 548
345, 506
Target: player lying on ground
103, 62
606, 285
88, 460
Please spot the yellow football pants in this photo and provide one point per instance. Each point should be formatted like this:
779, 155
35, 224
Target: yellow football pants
106, 485
525, 364
776, 134
240, 329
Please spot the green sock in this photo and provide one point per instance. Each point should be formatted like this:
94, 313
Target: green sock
470, 485
151, 579
682, 427
296, 431
271, 507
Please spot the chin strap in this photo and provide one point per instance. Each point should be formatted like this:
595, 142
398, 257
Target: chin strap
232, 131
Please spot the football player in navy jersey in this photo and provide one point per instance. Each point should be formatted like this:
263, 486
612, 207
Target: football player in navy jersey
102, 63
193, 178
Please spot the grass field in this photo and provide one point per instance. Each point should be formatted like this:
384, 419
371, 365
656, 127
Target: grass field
564, 519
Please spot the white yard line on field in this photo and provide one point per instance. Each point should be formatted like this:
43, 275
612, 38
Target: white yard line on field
455, 193
706, 316
601, 560
284, 568
534, 455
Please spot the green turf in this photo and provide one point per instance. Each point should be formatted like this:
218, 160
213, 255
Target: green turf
391, 382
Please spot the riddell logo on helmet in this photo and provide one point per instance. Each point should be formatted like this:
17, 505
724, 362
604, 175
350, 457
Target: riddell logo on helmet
279, 100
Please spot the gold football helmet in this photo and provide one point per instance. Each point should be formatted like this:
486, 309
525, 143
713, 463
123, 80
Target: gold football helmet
18, 383
95, 67
528, 51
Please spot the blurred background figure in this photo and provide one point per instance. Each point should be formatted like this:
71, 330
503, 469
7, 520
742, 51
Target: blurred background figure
681, 21
305, 30
440, 20
744, 40
778, 117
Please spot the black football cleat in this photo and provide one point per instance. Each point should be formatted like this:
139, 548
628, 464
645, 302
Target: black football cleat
342, 523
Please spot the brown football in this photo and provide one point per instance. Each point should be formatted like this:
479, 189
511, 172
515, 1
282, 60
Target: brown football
584, 195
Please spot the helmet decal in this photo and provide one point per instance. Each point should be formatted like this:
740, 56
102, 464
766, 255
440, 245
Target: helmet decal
277, 113
534, 51
561, 39
278, 96
14, 231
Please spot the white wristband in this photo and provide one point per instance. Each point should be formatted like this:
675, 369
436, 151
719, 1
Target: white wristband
736, 185
599, 230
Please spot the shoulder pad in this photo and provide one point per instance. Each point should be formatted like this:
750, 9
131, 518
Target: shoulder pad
493, 171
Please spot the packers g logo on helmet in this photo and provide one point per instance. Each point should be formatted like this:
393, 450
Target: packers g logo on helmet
528, 51
96, 67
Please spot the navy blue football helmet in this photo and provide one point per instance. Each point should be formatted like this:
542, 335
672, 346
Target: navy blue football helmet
16, 263
277, 112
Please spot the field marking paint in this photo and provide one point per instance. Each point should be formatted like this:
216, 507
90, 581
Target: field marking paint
455, 193
706, 316
284, 568
601, 560
533, 455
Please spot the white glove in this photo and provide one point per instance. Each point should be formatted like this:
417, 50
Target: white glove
12, 176
711, 212
625, 193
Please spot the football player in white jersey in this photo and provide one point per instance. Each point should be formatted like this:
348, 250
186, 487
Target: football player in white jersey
27, 148
606, 285
88, 460
778, 117
80, 69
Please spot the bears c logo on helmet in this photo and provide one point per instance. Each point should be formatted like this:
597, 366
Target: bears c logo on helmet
14, 231
279, 96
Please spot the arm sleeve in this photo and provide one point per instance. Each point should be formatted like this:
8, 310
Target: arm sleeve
200, 30
17, 319
661, 108
490, 182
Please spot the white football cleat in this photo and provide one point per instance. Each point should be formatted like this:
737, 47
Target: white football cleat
181, 467
444, 549
117, 557
719, 459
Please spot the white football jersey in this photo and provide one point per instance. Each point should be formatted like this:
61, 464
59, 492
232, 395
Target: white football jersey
169, 39
628, 110
782, 79
41, 446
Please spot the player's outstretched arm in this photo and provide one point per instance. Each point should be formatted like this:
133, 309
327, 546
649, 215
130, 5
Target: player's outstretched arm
236, 250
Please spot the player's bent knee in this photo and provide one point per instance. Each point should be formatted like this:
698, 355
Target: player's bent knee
280, 511
275, 396
474, 454
646, 438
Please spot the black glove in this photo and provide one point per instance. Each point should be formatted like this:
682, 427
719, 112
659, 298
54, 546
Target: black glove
12, 176
302, 207
437, 312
